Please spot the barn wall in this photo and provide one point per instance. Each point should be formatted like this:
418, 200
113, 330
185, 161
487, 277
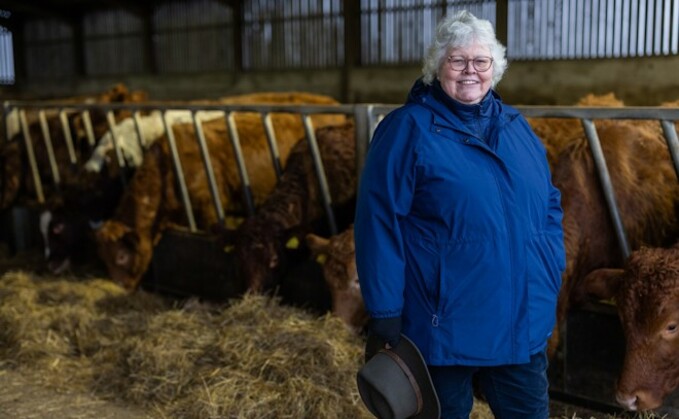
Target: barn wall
637, 81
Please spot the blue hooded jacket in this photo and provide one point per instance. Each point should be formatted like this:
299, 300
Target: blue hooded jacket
458, 234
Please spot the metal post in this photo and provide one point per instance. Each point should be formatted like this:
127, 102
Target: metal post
207, 164
31, 157
362, 127
672, 142
67, 135
606, 184
179, 172
320, 173
240, 161
87, 122
48, 145
273, 144
110, 118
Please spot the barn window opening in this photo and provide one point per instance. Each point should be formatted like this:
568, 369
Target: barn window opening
6, 52
114, 43
399, 31
49, 49
299, 34
565, 29
180, 26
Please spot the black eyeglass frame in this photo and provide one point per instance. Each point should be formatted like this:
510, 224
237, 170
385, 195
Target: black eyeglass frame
467, 61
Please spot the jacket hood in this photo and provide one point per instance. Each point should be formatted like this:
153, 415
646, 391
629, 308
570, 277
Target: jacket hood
440, 103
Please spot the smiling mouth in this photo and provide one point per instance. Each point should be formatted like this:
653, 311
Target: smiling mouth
468, 82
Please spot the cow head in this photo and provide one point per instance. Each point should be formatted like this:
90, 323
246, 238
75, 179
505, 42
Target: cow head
646, 293
338, 257
263, 253
125, 252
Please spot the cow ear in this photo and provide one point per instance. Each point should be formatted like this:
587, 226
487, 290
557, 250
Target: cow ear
601, 284
317, 244
225, 237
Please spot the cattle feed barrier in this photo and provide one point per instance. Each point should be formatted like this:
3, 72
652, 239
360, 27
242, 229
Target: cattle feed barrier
366, 117
305, 111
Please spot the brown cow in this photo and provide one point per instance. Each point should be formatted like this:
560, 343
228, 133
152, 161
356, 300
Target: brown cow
646, 293
295, 206
337, 255
636, 157
557, 133
647, 194
152, 200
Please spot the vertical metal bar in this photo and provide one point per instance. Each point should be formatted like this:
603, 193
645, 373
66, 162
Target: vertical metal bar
362, 125
179, 172
320, 173
50, 150
606, 184
141, 140
670, 132
273, 144
31, 157
114, 138
67, 135
240, 161
207, 164
6, 115
87, 122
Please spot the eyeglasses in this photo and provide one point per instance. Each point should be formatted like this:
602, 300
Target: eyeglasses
480, 64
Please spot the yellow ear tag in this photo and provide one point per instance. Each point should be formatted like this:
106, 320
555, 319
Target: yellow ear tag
321, 258
293, 243
229, 248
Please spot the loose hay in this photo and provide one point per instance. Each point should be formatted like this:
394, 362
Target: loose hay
252, 359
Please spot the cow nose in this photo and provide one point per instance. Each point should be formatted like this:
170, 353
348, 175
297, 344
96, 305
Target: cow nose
639, 400
646, 400
628, 401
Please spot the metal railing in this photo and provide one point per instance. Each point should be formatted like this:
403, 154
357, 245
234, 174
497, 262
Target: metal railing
365, 117
356, 113
665, 115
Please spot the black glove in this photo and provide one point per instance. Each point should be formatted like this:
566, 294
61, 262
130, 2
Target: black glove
388, 329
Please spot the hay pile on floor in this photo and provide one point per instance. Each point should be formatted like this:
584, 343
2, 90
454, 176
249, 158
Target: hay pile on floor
252, 359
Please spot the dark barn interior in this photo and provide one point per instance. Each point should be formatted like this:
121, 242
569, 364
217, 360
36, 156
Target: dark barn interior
89, 86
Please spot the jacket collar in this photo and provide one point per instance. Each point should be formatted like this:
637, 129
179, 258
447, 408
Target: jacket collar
441, 104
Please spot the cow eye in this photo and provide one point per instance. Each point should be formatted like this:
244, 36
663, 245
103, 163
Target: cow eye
672, 328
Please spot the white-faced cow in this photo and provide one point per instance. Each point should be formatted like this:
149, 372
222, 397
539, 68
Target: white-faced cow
152, 199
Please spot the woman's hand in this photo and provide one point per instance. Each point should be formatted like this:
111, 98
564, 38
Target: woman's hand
388, 329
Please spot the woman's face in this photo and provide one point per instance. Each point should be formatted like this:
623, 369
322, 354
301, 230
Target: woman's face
468, 86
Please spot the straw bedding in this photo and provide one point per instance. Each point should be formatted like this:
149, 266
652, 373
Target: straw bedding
253, 358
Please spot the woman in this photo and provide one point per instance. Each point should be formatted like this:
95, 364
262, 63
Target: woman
459, 243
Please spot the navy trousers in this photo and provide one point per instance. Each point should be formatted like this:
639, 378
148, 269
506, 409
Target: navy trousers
512, 391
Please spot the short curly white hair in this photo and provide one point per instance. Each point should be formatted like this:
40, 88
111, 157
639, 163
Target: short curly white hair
459, 31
